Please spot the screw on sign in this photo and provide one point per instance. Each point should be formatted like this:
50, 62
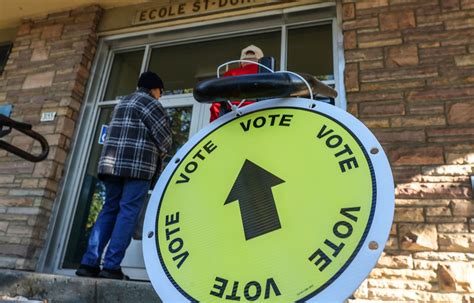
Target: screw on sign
278, 201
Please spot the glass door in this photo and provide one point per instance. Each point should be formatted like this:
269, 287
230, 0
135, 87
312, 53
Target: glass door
123, 77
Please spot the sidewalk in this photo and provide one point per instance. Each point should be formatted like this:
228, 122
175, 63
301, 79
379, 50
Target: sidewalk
55, 288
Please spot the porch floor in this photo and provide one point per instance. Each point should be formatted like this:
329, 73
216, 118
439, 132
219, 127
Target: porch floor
56, 288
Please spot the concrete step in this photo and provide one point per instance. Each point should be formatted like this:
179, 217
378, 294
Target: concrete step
56, 288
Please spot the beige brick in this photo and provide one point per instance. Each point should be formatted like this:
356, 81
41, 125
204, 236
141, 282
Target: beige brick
371, 65
440, 256
450, 170
405, 55
65, 126
465, 60
24, 29
45, 169
380, 43
392, 243
459, 158
395, 261
390, 85
362, 291
44, 79
405, 274
409, 215
360, 24
399, 284
376, 123
456, 277
348, 11
29, 183
18, 230
52, 31
461, 113
381, 109
399, 74
415, 121
350, 39
429, 44
433, 190
418, 237
444, 220
397, 20
40, 54
6, 179
366, 4
359, 55
438, 212
447, 135
460, 24
406, 136
457, 242
462, 208
351, 76
3, 226
453, 228
440, 94
467, 4
447, 298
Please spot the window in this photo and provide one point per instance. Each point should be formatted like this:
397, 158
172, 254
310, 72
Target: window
124, 74
5, 49
183, 65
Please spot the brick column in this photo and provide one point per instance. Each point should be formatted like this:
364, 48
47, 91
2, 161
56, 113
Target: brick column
410, 78
47, 71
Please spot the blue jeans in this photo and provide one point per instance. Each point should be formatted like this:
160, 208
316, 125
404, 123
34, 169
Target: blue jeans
116, 222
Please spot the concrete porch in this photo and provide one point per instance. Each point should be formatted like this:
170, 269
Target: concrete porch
56, 288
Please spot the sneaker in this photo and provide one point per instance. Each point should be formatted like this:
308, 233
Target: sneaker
113, 274
87, 271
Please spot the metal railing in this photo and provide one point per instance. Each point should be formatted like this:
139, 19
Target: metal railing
25, 129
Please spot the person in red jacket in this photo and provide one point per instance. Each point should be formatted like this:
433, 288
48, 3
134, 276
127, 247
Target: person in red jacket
251, 53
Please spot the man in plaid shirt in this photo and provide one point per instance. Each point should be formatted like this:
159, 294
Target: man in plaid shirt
137, 136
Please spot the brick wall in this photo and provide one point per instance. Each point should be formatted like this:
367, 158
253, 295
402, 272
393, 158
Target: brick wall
410, 78
47, 71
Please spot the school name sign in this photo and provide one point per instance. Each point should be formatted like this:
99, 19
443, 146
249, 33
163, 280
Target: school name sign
290, 201
189, 9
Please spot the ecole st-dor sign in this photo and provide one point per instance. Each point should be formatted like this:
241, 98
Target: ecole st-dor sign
189, 9
290, 201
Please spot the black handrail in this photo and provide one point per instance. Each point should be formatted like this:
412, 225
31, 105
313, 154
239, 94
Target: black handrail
25, 129
264, 85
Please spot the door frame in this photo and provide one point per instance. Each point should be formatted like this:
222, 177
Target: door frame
51, 258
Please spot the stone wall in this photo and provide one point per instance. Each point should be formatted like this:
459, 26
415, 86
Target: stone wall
410, 78
47, 71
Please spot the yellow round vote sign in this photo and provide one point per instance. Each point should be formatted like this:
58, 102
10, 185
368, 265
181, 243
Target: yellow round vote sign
286, 200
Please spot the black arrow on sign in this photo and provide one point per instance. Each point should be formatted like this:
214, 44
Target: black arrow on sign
253, 189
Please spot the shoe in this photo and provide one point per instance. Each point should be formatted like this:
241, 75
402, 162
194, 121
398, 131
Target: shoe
87, 271
113, 274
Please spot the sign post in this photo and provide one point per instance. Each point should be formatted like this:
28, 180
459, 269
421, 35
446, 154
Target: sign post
290, 200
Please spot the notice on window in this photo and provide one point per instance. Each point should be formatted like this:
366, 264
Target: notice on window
189, 9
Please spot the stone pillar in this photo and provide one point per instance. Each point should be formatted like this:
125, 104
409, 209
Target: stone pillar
409, 77
47, 71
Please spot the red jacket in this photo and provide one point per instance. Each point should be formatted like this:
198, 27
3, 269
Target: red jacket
243, 70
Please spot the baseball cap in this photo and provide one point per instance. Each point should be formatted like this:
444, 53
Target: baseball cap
251, 52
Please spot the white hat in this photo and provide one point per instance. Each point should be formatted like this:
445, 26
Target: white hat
257, 53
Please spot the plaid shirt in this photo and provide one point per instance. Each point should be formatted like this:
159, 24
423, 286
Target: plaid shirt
138, 133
